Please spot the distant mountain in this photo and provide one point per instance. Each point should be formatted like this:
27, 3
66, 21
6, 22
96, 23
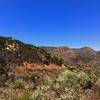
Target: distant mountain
14, 52
79, 56
48, 73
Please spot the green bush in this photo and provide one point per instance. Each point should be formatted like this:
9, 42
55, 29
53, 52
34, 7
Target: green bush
40, 96
57, 61
48, 80
73, 83
18, 83
27, 96
66, 75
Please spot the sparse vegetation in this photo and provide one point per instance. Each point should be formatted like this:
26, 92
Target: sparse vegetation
42, 77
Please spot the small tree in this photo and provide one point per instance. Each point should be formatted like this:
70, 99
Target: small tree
3, 67
57, 61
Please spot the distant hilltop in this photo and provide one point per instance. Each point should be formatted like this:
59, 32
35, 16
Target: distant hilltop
20, 52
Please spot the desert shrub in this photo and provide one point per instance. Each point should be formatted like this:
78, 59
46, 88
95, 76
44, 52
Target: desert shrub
92, 75
29, 95
84, 80
18, 83
42, 88
83, 77
44, 84
48, 80
1, 46
37, 78
66, 75
26, 96
2, 71
40, 96
57, 61
73, 83
46, 62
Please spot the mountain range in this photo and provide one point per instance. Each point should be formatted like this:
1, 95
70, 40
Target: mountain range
65, 72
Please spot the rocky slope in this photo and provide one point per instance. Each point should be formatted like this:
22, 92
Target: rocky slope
77, 57
18, 58
28, 72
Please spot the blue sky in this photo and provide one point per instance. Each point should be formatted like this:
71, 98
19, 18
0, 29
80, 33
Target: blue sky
73, 23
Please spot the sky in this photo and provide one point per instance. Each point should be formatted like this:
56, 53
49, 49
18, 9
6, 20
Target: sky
72, 23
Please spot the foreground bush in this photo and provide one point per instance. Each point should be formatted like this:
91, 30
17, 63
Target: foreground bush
69, 85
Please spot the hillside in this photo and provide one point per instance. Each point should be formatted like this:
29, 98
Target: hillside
16, 52
23, 52
28, 72
77, 57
